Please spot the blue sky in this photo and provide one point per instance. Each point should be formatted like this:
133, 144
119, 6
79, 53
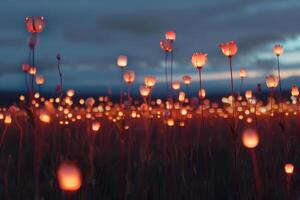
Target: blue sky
90, 34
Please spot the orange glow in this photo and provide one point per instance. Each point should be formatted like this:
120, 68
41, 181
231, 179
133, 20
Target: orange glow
150, 81
39, 79
289, 168
96, 126
69, 177
144, 91
170, 122
201, 93
70, 93
170, 35
272, 81
243, 73
35, 24
32, 70
187, 79
129, 76
229, 49
199, 60
45, 118
278, 50
248, 94
181, 96
122, 61
250, 138
7, 119
166, 45
294, 91
176, 85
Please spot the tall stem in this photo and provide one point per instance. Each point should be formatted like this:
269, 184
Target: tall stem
60, 77
232, 93
121, 86
166, 74
200, 97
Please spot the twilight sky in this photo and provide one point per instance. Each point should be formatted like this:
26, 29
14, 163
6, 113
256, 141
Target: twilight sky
90, 34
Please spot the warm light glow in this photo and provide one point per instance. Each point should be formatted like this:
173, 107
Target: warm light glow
248, 94
144, 91
229, 49
129, 76
289, 168
32, 70
199, 60
7, 119
294, 91
250, 138
201, 93
39, 79
187, 79
272, 81
45, 118
122, 61
96, 126
170, 35
35, 24
70, 92
243, 73
176, 85
278, 50
150, 81
69, 177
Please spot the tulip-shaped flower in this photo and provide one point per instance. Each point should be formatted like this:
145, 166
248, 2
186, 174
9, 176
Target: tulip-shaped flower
199, 60
229, 49
35, 24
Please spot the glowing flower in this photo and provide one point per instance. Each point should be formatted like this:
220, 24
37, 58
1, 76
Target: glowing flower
289, 168
170, 35
187, 79
176, 85
250, 138
272, 81
129, 76
69, 177
199, 60
243, 73
278, 50
229, 49
35, 24
39, 79
201, 93
166, 45
150, 81
295, 91
122, 61
144, 91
